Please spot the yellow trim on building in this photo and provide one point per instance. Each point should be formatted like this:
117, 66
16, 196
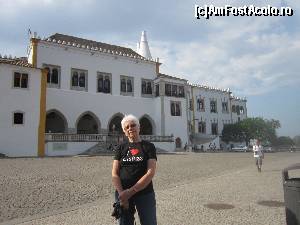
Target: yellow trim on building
42, 123
34, 43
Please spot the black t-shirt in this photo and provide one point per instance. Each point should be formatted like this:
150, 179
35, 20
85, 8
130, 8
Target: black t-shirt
133, 159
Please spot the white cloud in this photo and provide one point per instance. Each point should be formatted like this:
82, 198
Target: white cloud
252, 56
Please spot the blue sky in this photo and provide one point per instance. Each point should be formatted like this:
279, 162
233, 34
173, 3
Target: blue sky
256, 57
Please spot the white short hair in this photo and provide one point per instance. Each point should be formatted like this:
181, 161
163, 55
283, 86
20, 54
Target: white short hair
129, 118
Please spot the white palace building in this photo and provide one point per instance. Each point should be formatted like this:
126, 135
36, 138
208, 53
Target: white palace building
69, 95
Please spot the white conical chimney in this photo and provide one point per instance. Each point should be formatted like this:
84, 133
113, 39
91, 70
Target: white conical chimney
143, 47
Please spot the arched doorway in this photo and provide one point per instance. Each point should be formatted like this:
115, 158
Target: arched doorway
145, 126
55, 122
87, 124
178, 142
115, 124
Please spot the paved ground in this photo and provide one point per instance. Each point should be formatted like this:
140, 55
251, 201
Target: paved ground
191, 189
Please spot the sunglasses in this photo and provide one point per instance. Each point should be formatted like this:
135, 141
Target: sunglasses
133, 125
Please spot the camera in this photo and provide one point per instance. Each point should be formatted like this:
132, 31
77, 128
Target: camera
117, 211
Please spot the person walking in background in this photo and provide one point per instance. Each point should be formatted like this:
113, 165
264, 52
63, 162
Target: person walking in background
133, 168
258, 155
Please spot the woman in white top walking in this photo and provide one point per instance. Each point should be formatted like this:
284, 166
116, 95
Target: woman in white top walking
258, 155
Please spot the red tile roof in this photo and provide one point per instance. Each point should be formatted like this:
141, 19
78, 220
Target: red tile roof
93, 44
16, 61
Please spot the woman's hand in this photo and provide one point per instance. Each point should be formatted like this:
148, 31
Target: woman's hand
126, 195
124, 204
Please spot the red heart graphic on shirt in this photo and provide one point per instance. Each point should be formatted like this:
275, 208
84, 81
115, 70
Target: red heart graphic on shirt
134, 151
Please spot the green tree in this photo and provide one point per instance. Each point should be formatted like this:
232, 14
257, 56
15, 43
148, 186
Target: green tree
232, 132
251, 128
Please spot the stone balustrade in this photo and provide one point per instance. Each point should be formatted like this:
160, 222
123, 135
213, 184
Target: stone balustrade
62, 137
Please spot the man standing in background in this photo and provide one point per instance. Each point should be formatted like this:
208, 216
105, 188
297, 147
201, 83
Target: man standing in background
258, 155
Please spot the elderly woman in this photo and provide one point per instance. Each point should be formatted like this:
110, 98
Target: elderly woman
133, 168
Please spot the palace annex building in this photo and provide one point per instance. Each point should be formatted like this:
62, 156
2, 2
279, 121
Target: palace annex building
69, 95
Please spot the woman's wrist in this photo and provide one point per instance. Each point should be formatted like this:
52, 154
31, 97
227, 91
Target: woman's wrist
132, 190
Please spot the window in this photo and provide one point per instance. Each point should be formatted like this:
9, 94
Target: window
174, 90
20, 80
53, 75
242, 111
168, 89
225, 107
200, 104
214, 128
79, 79
213, 106
180, 91
157, 90
237, 109
202, 127
104, 82
233, 108
146, 87
175, 108
126, 85
18, 118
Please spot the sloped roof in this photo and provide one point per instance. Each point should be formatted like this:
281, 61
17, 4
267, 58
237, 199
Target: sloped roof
16, 61
94, 44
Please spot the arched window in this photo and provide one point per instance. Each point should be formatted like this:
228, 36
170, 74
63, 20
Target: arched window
172, 109
198, 104
24, 80
20, 80
129, 86
75, 79
144, 87
100, 83
87, 124
56, 123
54, 77
82, 80
107, 85
149, 88
123, 85
145, 126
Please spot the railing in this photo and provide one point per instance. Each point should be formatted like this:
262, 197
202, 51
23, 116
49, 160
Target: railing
157, 138
60, 137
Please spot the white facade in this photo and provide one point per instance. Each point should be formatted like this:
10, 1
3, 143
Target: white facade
92, 85
212, 108
215, 110
238, 109
72, 103
20, 110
